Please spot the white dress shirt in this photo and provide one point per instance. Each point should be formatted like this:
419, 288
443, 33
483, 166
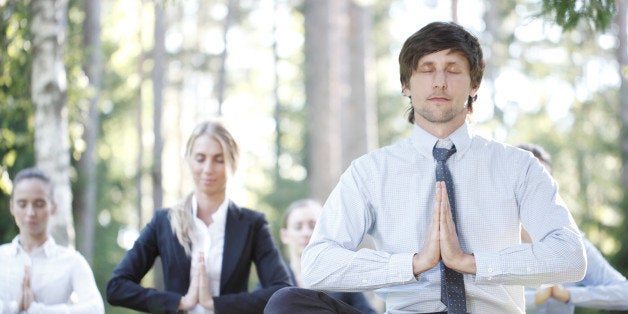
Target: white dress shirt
389, 194
603, 287
210, 240
61, 279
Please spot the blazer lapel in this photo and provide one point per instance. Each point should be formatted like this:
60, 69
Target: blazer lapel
236, 234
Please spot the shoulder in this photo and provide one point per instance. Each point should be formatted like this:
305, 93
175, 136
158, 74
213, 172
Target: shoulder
70, 255
7, 248
500, 151
161, 216
243, 213
397, 152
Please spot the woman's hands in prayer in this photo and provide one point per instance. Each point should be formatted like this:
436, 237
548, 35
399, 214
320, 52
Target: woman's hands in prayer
26, 294
199, 291
557, 292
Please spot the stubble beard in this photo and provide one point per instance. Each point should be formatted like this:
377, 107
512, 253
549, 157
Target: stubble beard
437, 116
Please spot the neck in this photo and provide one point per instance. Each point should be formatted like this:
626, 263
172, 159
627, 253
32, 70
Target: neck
295, 265
439, 130
209, 203
207, 206
29, 242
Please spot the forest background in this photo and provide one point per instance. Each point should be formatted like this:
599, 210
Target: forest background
103, 94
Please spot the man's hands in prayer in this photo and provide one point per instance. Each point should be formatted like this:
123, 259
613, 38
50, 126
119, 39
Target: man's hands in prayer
441, 242
199, 291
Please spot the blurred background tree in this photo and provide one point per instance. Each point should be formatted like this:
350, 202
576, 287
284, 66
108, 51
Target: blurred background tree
305, 86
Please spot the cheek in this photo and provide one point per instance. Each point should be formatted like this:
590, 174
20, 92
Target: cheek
194, 167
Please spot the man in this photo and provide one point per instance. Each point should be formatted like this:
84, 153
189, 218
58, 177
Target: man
392, 194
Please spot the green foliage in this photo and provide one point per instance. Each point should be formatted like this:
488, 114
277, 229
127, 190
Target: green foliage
16, 136
597, 14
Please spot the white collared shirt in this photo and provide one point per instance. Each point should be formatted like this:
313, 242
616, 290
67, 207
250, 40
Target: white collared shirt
389, 194
61, 279
210, 240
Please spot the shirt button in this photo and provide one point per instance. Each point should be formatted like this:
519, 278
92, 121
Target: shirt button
529, 269
364, 281
490, 269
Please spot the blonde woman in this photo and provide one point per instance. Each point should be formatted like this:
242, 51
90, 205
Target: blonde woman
206, 243
37, 275
299, 221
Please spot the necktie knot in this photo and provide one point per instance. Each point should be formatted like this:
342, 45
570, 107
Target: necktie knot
442, 154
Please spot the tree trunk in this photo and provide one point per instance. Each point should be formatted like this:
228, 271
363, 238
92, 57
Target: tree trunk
359, 113
326, 90
622, 58
88, 165
222, 71
49, 95
621, 259
277, 113
159, 60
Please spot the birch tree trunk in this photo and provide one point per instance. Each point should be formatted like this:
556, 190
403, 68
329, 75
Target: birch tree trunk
49, 96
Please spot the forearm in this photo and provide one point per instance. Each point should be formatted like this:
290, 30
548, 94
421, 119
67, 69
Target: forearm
332, 268
90, 307
609, 297
559, 258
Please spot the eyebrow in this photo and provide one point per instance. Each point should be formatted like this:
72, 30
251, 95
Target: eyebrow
432, 63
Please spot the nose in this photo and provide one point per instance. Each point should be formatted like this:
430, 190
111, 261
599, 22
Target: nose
207, 167
30, 210
440, 80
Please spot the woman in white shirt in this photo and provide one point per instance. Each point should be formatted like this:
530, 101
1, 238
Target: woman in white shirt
37, 275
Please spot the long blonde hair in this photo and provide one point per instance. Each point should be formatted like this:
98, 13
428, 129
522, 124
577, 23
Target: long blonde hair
181, 219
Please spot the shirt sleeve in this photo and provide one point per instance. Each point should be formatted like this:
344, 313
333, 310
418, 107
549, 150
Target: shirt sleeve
603, 287
9, 307
334, 243
87, 297
556, 254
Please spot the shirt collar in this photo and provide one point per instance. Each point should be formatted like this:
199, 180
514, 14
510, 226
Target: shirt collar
424, 142
48, 248
218, 217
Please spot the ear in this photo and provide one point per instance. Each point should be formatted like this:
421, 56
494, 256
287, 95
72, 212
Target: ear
11, 207
283, 234
404, 91
474, 91
53, 208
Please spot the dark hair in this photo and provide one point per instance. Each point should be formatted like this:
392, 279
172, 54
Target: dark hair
538, 152
438, 36
33, 173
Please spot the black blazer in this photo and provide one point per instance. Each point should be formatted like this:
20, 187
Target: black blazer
247, 241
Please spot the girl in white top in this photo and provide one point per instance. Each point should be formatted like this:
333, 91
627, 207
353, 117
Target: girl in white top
37, 275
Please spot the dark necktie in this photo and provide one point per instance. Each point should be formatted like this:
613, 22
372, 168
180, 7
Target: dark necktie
451, 281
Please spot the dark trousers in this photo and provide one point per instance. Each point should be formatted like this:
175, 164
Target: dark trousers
292, 300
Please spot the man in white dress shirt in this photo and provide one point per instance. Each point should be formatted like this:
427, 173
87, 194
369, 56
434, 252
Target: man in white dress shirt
37, 275
392, 195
